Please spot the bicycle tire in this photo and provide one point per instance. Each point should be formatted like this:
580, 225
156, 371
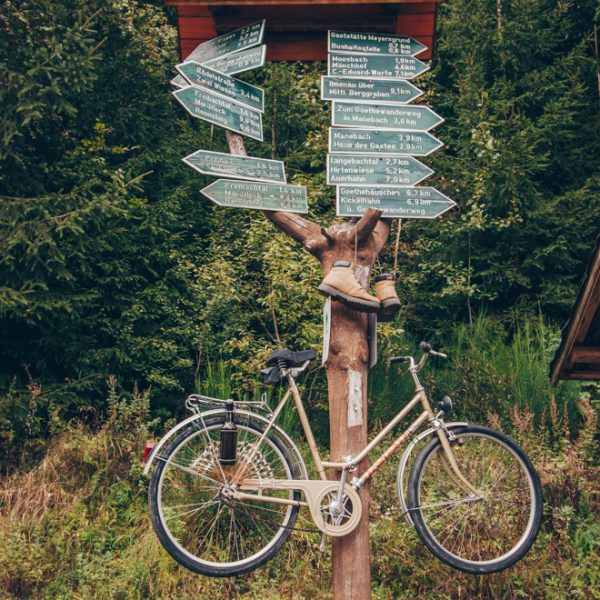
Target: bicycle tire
432, 497
277, 447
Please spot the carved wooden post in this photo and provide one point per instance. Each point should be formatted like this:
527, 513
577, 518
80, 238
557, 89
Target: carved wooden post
346, 366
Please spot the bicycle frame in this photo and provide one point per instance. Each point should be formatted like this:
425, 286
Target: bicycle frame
350, 463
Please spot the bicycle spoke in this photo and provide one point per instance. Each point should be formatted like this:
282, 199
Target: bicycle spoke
199, 512
475, 528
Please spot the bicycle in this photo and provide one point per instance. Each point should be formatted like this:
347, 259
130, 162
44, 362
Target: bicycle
228, 482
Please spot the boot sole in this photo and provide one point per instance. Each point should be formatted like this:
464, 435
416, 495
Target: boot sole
389, 309
351, 301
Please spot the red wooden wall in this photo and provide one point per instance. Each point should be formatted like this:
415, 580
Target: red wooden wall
295, 29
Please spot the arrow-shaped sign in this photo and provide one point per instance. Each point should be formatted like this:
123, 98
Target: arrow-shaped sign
215, 109
262, 196
373, 43
238, 167
246, 60
373, 91
395, 202
228, 43
225, 85
367, 169
380, 67
364, 116
406, 143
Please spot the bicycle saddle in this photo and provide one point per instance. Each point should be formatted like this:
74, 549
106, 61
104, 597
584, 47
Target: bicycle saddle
291, 358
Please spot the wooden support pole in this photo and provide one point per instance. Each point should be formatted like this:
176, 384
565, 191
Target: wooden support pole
346, 366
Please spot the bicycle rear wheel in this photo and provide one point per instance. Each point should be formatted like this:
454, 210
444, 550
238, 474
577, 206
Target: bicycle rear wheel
192, 509
476, 534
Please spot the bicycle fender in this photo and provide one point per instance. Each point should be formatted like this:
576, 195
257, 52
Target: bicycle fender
404, 461
219, 411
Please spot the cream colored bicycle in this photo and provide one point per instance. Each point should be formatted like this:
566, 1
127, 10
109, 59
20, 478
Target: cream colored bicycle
228, 482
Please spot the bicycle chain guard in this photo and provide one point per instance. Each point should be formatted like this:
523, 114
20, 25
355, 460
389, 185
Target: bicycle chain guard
320, 497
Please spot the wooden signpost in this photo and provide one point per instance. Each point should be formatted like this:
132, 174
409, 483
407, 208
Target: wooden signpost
372, 147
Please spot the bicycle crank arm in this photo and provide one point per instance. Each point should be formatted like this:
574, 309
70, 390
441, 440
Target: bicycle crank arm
330, 516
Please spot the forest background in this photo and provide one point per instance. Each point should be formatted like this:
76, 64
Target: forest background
122, 288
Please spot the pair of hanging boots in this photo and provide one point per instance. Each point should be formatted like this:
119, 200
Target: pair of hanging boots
341, 284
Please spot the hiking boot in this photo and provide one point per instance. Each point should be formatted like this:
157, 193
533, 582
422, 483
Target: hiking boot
341, 284
385, 290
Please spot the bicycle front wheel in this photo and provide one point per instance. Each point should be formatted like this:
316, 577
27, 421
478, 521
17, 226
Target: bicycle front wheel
197, 517
476, 533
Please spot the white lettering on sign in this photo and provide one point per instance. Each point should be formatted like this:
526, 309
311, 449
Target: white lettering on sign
355, 412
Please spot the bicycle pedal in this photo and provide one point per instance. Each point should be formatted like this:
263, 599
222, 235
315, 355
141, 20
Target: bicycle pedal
323, 544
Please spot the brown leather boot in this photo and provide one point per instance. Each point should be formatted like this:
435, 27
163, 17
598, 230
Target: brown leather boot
341, 284
385, 290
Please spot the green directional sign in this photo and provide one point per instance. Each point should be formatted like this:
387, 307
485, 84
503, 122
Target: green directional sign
373, 43
374, 91
262, 196
238, 167
395, 202
220, 111
381, 116
406, 143
378, 67
246, 60
225, 85
367, 169
228, 43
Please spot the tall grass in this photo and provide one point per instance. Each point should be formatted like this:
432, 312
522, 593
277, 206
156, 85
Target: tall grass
491, 370
77, 526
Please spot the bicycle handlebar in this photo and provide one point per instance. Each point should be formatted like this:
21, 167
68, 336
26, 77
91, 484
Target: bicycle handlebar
427, 351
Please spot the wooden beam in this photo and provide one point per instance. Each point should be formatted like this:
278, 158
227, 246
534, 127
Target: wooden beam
299, 24
589, 295
581, 375
585, 354
588, 312
288, 2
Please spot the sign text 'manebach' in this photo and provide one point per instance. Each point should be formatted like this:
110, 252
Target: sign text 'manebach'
365, 169
372, 141
238, 167
373, 43
228, 43
215, 109
261, 196
381, 116
368, 91
224, 85
378, 67
394, 202
246, 60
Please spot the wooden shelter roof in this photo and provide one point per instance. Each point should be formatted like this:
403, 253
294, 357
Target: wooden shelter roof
578, 356
296, 28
